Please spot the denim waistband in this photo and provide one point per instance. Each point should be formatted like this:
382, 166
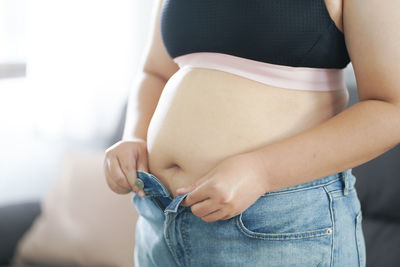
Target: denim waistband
345, 181
154, 188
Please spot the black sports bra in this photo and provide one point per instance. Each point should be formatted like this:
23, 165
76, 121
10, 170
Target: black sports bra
297, 33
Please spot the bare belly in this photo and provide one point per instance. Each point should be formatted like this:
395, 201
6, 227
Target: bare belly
205, 115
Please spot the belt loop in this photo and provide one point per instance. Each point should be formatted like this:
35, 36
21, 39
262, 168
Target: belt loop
346, 183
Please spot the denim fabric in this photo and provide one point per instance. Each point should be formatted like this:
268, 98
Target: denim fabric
317, 223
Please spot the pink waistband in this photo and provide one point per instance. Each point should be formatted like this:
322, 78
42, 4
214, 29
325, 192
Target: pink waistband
298, 78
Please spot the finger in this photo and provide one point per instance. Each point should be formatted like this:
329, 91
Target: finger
129, 170
114, 172
141, 164
191, 187
128, 167
109, 179
117, 188
200, 193
226, 217
204, 208
214, 216
185, 189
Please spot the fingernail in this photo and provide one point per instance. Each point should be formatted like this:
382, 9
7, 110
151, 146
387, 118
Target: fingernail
141, 193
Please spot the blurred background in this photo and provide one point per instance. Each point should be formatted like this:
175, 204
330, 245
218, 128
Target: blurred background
65, 71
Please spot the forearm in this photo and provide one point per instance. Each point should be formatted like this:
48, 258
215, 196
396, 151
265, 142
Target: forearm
143, 99
354, 136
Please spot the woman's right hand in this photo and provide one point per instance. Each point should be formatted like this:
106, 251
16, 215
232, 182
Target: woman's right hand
121, 162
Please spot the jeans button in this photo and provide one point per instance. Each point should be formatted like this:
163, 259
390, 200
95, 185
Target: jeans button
139, 183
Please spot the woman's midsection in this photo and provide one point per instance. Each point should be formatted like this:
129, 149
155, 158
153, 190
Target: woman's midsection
205, 115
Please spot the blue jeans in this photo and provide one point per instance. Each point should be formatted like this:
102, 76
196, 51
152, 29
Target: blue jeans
317, 223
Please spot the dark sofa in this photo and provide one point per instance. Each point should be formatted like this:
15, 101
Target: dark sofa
378, 187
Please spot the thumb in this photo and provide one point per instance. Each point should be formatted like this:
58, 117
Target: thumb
186, 189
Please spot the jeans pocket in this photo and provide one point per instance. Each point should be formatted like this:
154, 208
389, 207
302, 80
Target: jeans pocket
295, 214
360, 240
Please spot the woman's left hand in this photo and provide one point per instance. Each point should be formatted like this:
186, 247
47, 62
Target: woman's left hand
228, 189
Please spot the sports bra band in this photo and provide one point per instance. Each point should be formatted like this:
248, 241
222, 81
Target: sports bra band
297, 78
